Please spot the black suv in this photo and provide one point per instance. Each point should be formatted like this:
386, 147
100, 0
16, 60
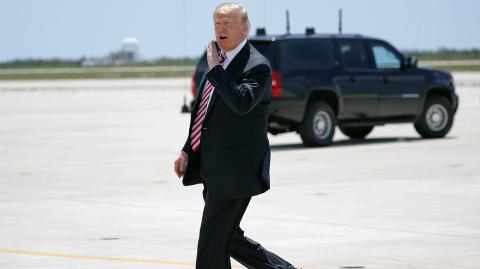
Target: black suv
350, 81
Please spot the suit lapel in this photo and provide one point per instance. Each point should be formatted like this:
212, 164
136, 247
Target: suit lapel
234, 69
212, 100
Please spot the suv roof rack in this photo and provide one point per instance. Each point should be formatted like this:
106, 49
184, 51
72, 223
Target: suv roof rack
310, 30
261, 31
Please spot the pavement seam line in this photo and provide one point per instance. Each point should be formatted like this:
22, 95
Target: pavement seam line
89, 257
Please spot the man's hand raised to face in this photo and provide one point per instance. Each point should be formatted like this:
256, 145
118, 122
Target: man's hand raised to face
213, 57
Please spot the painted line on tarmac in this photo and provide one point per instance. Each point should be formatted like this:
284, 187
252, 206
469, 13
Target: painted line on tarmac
98, 258
88, 257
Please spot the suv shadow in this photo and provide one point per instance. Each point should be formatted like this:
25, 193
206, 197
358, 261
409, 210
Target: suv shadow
351, 142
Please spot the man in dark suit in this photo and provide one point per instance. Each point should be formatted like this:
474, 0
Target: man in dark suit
227, 148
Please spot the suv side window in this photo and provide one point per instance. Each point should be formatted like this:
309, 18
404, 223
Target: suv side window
385, 57
306, 53
354, 54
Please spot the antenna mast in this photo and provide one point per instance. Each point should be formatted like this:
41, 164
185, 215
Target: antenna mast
288, 22
340, 21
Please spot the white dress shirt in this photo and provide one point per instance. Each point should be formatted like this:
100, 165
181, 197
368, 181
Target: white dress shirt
231, 54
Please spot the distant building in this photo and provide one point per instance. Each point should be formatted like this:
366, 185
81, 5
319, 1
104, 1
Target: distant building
128, 54
129, 51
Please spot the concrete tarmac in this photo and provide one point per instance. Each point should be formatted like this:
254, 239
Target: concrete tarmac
86, 181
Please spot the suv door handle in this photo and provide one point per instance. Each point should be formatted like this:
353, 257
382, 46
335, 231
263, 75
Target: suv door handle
351, 79
385, 79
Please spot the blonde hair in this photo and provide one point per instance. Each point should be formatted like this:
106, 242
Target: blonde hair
230, 7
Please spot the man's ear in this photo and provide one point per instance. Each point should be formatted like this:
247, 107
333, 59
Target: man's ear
245, 29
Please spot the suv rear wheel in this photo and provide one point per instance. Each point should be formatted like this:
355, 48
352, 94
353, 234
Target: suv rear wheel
357, 131
436, 118
318, 126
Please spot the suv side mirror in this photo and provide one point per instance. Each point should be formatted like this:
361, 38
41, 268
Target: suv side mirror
410, 62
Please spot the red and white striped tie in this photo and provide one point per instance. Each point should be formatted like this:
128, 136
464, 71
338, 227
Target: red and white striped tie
202, 111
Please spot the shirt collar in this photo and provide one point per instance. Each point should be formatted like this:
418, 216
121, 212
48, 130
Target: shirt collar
231, 54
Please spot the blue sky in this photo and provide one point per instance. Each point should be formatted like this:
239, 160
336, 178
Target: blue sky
71, 29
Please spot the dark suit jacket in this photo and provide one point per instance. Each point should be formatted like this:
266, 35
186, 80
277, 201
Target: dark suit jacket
234, 156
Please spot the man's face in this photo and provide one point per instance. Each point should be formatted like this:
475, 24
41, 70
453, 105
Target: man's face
229, 30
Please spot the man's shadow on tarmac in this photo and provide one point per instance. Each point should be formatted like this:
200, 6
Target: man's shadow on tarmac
355, 142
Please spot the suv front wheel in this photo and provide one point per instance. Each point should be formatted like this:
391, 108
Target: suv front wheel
436, 118
318, 126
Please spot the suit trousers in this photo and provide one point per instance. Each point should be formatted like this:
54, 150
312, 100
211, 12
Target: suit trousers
221, 237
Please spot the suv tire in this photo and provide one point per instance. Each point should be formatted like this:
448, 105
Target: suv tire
436, 118
318, 126
357, 132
